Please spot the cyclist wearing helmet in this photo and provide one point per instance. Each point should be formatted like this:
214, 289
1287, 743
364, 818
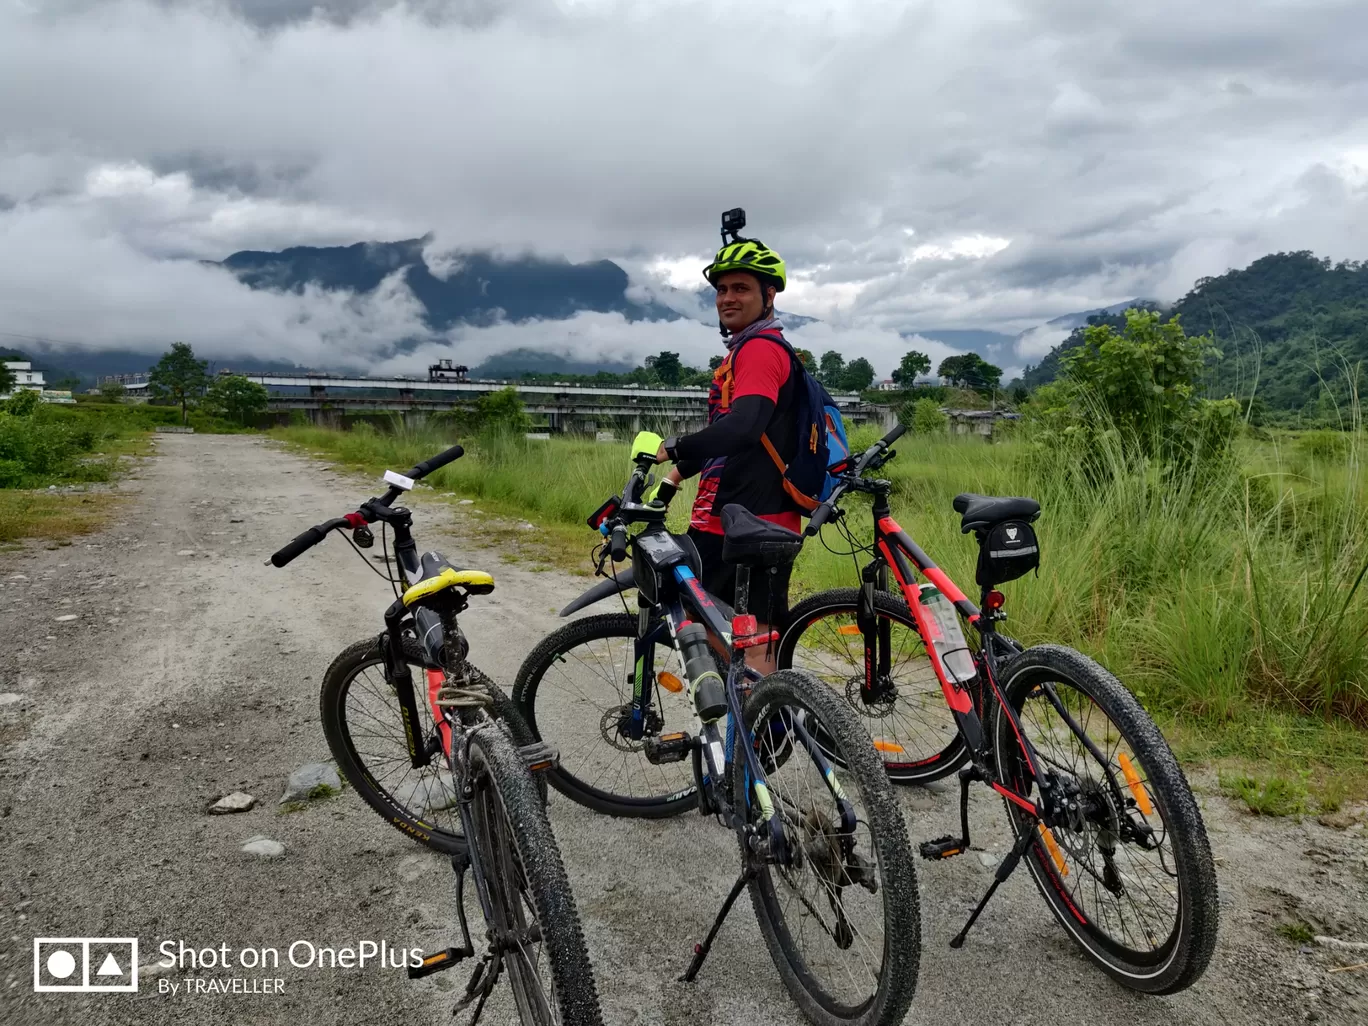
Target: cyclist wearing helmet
752, 394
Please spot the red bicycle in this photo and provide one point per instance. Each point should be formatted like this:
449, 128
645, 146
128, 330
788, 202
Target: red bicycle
1098, 805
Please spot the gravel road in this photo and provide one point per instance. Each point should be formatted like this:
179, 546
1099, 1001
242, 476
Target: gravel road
191, 670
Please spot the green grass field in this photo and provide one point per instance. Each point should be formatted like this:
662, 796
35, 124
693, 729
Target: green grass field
1230, 601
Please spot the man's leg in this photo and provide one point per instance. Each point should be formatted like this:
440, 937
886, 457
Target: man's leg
769, 602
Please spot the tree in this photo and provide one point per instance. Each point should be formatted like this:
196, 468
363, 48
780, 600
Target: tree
831, 368
667, 367
913, 366
1141, 384
809, 361
6, 377
858, 375
970, 371
502, 411
112, 391
714, 362
178, 376
235, 397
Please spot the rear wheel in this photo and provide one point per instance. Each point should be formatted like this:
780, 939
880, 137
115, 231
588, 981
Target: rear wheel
1127, 869
535, 925
575, 690
905, 712
842, 920
364, 727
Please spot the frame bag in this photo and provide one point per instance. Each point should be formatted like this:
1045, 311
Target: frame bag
1007, 551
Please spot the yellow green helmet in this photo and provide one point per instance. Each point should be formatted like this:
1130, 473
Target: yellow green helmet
752, 256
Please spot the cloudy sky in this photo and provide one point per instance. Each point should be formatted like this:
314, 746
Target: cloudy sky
977, 164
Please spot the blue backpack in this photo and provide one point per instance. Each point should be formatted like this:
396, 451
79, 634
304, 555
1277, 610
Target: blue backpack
822, 446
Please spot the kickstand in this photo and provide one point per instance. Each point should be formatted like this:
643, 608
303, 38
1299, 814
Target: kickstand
1007, 867
701, 950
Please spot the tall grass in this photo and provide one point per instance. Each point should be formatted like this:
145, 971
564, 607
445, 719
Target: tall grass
1211, 592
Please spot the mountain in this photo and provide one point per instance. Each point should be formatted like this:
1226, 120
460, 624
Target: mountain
477, 288
1289, 326
515, 362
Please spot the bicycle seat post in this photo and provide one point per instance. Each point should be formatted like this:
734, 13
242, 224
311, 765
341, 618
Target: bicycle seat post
743, 573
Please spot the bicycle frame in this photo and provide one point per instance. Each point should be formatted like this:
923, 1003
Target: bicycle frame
896, 552
718, 753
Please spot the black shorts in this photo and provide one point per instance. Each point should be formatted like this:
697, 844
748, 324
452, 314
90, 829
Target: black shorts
769, 586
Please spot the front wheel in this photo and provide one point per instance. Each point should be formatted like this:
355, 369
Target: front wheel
1126, 869
842, 918
364, 727
902, 707
575, 692
535, 926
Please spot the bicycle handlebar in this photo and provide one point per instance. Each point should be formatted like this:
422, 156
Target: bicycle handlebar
823, 512
425, 468
303, 542
308, 539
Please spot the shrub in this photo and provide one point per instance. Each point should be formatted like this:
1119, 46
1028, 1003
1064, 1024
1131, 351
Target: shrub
922, 417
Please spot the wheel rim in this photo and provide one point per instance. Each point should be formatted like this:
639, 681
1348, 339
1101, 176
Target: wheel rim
1127, 903
579, 706
908, 719
831, 930
374, 729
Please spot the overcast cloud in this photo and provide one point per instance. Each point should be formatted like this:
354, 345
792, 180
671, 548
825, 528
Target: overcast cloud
983, 164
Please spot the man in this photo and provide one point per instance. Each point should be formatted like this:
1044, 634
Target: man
752, 395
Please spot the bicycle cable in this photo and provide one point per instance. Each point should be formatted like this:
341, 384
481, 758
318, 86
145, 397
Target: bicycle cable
369, 565
384, 545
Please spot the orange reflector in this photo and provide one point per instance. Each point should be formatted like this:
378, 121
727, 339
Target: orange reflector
1142, 798
441, 956
1053, 848
670, 682
887, 746
849, 629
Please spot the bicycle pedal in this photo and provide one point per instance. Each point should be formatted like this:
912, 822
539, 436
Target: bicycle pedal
942, 848
539, 756
668, 748
436, 963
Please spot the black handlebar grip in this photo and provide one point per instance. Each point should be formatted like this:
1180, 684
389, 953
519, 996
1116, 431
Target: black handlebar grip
436, 462
894, 435
617, 543
301, 544
308, 540
819, 517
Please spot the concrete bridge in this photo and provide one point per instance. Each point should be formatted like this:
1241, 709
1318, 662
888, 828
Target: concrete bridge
327, 399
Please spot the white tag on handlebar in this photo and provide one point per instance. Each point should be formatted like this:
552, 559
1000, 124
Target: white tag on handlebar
399, 480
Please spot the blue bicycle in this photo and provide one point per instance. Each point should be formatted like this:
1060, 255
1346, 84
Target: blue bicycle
656, 712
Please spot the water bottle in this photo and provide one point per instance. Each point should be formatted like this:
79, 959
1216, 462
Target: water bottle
948, 639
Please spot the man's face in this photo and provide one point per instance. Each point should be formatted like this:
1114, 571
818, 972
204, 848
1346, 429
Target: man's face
740, 300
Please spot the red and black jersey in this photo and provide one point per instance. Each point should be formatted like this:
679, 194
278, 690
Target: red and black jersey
760, 365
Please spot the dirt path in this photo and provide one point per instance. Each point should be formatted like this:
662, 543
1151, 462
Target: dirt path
192, 670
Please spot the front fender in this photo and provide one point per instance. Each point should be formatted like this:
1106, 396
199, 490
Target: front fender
612, 586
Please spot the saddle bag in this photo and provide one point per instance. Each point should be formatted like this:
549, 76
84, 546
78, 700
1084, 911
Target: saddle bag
1007, 550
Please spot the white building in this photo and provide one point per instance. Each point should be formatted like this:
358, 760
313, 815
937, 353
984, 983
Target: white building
25, 376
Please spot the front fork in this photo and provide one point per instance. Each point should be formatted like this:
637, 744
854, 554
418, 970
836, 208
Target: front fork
877, 633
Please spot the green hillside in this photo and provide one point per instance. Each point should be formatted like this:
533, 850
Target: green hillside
1293, 330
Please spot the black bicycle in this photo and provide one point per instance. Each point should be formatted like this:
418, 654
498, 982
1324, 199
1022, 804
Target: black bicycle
470, 763
651, 720
1094, 796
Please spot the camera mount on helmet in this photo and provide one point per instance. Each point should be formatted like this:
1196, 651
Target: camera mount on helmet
733, 221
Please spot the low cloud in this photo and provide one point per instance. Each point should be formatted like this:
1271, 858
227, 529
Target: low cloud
987, 164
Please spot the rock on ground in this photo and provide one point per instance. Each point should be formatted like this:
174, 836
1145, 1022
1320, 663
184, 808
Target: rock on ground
303, 780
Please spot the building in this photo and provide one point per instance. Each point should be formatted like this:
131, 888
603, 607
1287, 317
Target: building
25, 377
975, 422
